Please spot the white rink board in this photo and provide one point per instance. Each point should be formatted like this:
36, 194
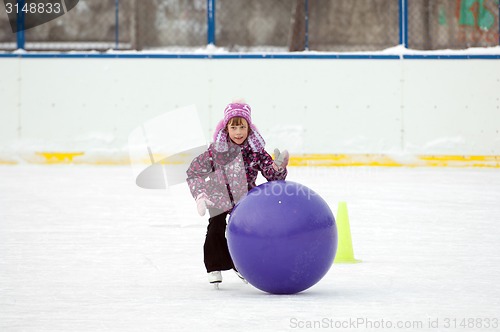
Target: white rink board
323, 106
457, 101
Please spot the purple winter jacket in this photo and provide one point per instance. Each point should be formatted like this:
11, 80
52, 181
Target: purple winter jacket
226, 177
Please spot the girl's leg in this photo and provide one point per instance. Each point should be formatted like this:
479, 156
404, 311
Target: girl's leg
215, 250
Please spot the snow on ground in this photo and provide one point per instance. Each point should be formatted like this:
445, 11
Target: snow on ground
83, 249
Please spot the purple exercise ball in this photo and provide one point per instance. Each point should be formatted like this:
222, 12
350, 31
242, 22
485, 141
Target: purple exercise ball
282, 237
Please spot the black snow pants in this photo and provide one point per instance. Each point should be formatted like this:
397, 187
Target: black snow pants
215, 250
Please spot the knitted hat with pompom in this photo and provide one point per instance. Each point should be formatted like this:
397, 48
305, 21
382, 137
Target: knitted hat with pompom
221, 136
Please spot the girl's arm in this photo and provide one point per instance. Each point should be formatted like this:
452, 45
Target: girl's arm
197, 172
269, 169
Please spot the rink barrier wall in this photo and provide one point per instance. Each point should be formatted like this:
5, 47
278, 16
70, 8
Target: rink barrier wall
399, 120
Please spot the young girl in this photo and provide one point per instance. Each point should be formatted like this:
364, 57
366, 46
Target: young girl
220, 177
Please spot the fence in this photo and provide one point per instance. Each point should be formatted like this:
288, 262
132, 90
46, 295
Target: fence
258, 25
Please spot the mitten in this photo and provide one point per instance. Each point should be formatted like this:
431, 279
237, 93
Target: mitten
202, 203
281, 159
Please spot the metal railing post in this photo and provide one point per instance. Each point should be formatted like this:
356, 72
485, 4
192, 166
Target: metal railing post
211, 22
306, 42
117, 24
403, 23
20, 25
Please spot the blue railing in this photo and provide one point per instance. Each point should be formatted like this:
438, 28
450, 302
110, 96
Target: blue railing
403, 22
20, 26
117, 24
211, 22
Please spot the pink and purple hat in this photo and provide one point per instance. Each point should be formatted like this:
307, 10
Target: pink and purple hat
221, 136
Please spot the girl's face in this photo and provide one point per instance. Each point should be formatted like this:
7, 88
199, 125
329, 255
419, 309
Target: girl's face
238, 130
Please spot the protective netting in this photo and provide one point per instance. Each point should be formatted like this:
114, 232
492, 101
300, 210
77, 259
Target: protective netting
259, 25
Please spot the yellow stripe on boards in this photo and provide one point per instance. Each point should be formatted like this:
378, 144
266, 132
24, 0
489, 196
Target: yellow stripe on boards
315, 160
343, 160
59, 157
8, 162
338, 160
461, 161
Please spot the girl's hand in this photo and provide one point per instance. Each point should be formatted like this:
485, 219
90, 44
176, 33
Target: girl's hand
280, 160
202, 203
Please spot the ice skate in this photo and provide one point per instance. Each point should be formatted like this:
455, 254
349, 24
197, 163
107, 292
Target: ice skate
215, 278
240, 276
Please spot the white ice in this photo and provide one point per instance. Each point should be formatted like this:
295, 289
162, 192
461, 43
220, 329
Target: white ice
84, 249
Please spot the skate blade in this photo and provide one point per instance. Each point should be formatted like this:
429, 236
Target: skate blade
241, 277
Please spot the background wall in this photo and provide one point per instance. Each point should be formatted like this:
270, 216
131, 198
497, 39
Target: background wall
310, 106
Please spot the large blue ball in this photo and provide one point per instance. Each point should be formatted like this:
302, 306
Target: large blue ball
282, 237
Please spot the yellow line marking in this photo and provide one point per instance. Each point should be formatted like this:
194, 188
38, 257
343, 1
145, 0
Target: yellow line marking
59, 157
323, 160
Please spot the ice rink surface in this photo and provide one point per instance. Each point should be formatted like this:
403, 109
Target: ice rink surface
82, 248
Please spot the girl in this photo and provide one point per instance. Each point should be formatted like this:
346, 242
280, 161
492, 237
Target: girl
221, 176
